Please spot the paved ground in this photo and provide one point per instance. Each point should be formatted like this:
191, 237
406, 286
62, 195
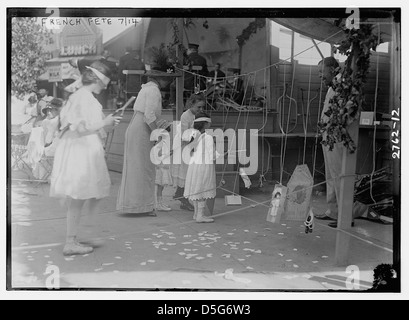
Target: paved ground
172, 251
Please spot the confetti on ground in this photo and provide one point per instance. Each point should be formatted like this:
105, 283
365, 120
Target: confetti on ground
199, 258
281, 255
108, 264
248, 256
147, 239
241, 259
324, 257
295, 266
151, 261
46, 256
226, 255
289, 260
128, 242
172, 237
234, 248
267, 229
281, 234
143, 263
112, 239
318, 237
165, 249
258, 251
230, 234
34, 252
119, 258
181, 253
246, 230
171, 244
49, 250
315, 262
69, 259
187, 250
129, 248
250, 268
246, 242
185, 243
288, 227
85, 255
295, 249
97, 270
187, 236
209, 255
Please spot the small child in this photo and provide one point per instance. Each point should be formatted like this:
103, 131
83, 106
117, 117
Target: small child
163, 174
201, 174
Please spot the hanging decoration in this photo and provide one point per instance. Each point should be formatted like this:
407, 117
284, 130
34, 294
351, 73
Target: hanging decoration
299, 194
277, 203
345, 105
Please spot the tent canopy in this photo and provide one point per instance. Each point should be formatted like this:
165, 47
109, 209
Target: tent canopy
331, 29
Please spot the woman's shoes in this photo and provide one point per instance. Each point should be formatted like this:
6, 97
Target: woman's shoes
187, 206
75, 248
163, 207
204, 220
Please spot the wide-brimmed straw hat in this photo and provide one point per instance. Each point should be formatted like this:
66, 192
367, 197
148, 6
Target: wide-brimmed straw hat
54, 104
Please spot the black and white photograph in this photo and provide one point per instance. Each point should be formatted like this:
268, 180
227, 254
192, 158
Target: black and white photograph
145, 148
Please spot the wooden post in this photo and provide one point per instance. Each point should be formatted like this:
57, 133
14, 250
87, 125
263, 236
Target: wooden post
346, 199
179, 80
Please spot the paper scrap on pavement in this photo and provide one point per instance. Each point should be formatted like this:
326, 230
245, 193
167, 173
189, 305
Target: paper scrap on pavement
143, 263
281, 255
181, 253
108, 264
324, 257
151, 261
295, 249
119, 258
229, 275
289, 260
295, 266
315, 262
281, 234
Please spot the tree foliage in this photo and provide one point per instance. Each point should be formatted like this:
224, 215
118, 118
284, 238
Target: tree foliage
28, 55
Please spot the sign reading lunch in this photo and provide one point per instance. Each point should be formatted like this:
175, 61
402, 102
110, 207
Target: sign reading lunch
78, 50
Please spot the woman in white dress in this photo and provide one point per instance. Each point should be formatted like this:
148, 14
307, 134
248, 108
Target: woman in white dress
80, 172
200, 183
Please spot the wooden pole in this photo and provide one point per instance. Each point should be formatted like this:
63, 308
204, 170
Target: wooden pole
347, 186
179, 80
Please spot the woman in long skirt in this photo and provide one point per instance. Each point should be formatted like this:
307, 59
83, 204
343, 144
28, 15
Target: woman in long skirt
137, 190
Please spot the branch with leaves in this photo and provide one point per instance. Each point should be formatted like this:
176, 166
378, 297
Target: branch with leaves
344, 107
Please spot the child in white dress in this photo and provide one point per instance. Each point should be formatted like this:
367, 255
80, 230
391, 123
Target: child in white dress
201, 174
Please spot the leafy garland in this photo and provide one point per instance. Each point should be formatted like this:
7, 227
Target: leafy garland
253, 27
344, 107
